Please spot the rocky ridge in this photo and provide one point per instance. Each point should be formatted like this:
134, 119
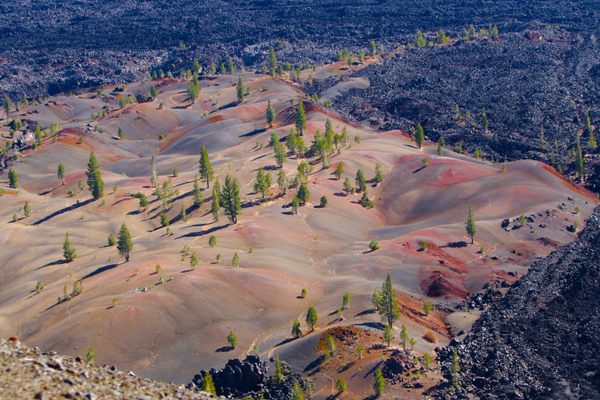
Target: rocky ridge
540, 340
28, 373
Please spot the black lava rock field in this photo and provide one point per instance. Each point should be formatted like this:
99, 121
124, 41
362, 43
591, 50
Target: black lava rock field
541, 340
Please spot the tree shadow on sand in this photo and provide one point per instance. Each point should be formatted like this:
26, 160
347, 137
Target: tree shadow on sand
224, 349
456, 245
315, 364
100, 270
51, 263
64, 210
202, 233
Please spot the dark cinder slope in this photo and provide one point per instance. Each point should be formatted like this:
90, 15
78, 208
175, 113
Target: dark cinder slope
543, 77
53, 46
541, 341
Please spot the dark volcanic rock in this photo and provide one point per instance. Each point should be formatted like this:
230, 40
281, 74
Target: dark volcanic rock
249, 377
105, 41
542, 340
522, 84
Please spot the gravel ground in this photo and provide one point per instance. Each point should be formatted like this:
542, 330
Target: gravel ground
28, 373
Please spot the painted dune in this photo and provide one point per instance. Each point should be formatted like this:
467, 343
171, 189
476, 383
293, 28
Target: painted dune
171, 323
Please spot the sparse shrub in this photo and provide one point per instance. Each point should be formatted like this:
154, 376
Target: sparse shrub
90, 355
423, 245
323, 202
430, 336
331, 349
296, 331
365, 201
311, 318
374, 245
379, 383
232, 339
164, 220
39, 286
340, 385
236, 260
426, 307
112, 240
212, 241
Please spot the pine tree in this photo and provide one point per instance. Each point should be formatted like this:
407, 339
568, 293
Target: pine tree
153, 92
232, 339
69, 252
542, 137
372, 47
404, 337
231, 199
345, 300
13, 179
282, 182
420, 41
312, 318
388, 334
348, 186
470, 225
330, 343
296, 331
361, 181
579, 163
378, 173
297, 393
60, 173
205, 167
198, 199
208, 385
270, 114
241, 90
592, 142
280, 154
235, 261
426, 307
26, 209
485, 120
419, 135
212, 241
440, 146
339, 170
94, 178
278, 373
388, 304
111, 240
340, 385
273, 61
7, 105
455, 369
303, 193
124, 243
379, 382
231, 67
295, 203
216, 201
193, 90
153, 176
262, 183
300, 117
90, 355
